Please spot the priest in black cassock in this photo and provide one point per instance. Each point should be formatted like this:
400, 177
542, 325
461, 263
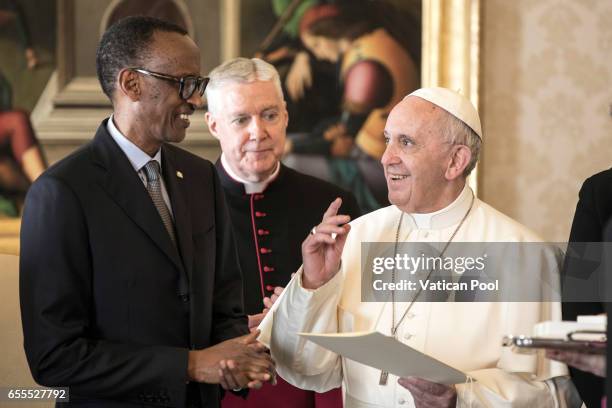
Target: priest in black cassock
272, 207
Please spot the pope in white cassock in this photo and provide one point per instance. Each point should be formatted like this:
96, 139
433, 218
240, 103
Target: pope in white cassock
433, 140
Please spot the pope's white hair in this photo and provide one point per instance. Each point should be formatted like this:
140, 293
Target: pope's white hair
457, 132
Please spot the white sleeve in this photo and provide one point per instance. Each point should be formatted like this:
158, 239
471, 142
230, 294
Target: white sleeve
301, 362
498, 388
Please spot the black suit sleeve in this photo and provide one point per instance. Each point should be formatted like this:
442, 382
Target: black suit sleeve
586, 227
229, 320
56, 280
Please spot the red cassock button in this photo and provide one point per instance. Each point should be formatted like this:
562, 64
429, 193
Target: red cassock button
265, 250
270, 288
260, 214
258, 196
263, 232
268, 269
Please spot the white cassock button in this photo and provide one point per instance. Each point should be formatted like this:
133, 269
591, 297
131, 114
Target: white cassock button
408, 336
410, 315
401, 401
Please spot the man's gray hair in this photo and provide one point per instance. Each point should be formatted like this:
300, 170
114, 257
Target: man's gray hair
241, 71
455, 131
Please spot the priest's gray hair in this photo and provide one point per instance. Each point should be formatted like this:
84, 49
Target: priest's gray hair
239, 71
456, 132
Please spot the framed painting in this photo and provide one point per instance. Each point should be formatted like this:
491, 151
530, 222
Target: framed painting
444, 51
27, 44
345, 64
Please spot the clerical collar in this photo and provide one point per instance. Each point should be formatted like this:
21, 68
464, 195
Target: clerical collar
447, 216
249, 186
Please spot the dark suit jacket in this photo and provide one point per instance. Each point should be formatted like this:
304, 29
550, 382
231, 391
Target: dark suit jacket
593, 212
607, 237
270, 227
99, 277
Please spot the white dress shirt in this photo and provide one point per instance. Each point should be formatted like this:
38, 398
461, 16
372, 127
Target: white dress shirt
138, 159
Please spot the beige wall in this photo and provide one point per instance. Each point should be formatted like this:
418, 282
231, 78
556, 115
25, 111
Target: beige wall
546, 95
14, 371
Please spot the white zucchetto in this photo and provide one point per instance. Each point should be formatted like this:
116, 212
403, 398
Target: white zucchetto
454, 103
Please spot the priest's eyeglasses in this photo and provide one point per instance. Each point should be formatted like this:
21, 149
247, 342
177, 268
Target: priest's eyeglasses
187, 84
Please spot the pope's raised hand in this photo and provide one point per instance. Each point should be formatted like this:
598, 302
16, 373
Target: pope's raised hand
322, 249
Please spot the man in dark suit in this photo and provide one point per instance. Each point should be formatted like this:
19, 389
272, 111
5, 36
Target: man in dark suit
130, 290
582, 278
272, 206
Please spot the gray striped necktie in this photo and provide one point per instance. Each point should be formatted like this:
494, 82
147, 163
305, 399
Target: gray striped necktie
151, 170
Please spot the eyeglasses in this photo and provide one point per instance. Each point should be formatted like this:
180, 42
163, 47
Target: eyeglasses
187, 84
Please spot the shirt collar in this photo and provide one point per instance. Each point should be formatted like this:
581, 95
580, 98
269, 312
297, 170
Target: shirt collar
444, 218
249, 186
137, 157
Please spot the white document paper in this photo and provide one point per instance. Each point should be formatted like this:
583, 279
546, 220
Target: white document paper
376, 350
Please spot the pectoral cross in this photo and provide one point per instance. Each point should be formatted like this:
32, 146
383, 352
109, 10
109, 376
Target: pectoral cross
384, 376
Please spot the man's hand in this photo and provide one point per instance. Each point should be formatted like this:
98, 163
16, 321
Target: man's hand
254, 320
269, 301
321, 250
232, 379
244, 359
429, 394
591, 363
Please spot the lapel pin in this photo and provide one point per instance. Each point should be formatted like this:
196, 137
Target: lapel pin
179, 174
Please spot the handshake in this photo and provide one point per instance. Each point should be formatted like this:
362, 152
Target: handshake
236, 363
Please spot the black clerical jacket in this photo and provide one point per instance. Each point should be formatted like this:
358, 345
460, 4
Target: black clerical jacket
271, 226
